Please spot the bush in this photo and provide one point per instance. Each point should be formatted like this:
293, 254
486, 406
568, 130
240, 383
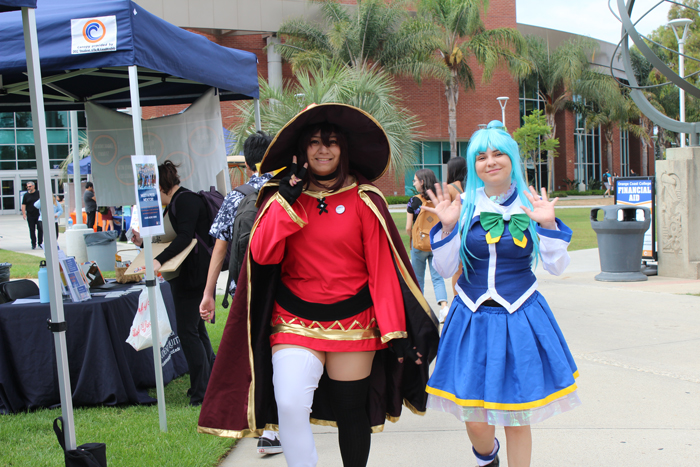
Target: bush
397, 200
560, 194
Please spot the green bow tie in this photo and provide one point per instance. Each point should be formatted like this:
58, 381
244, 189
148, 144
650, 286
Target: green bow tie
494, 224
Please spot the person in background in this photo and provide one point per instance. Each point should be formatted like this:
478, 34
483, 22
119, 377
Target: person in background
90, 204
456, 175
632, 173
222, 230
422, 181
188, 215
607, 183
31, 214
57, 212
502, 359
107, 218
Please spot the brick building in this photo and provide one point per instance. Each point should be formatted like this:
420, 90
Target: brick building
251, 24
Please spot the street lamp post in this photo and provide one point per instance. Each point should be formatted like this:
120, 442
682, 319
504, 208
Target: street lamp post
578, 169
502, 101
675, 25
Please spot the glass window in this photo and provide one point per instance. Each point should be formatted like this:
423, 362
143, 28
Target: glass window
23, 119
431, 152
57, 136
56, 119
7, 120
8, 158
25, 136
26, 152
7, 136
82, 121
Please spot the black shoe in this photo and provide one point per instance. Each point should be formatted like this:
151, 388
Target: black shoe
494, 463
269, 446
33, 247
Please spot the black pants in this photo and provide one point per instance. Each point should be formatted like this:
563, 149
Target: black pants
35, 224
91, 219
195, 342
44, 229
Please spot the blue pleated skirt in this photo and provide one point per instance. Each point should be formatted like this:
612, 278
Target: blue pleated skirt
506, 369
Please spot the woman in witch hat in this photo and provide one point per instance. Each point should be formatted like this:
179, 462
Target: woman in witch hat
326, 289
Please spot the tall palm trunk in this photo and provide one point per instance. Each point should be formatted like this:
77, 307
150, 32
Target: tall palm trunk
609, 148
452, 94
550, 160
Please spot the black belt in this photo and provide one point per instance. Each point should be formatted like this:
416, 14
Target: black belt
321, 311
491, 302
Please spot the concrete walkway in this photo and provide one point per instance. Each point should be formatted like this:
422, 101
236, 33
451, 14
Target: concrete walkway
636, 348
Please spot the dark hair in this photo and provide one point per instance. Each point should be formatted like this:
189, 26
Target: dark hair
326, 129
457, 170
254, 148
428, 179
89, 185
167, 176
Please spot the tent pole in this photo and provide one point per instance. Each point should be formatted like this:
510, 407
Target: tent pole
50, 244
150, 273
76, 173
258, 125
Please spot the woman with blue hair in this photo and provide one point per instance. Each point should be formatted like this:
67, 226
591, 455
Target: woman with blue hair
502, 358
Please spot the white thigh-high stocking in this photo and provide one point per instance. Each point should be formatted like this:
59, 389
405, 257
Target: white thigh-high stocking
296, 373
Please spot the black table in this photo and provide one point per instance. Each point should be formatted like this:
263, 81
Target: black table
104, 369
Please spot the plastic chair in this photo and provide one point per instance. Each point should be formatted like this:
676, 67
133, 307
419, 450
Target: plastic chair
21, 288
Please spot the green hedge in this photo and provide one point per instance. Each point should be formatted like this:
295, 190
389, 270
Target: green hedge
397, 199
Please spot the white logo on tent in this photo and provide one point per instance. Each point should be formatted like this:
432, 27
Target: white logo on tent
91, 35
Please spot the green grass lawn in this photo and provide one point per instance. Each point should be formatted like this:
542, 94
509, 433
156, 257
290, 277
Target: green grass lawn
26, 266
578, 219
132, 433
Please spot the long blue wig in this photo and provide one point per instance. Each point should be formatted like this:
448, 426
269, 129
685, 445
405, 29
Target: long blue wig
493, 137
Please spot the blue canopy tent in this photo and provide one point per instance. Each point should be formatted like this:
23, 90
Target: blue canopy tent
175, 66
85, 166
123, 57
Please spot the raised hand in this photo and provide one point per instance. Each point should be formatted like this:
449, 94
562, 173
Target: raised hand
447, 210
542, 210
291, 186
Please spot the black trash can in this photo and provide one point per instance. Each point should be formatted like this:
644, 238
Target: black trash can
5, 271
620, 242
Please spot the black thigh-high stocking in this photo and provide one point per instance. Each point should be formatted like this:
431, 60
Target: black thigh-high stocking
354, 431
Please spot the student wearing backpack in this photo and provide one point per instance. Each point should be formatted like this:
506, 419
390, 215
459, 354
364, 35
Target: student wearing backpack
418, 225
607, 181
229, 228
189, 216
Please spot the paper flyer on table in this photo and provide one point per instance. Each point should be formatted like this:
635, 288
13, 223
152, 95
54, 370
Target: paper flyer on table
147, 188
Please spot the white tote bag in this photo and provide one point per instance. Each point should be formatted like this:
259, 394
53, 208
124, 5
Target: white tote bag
140, 333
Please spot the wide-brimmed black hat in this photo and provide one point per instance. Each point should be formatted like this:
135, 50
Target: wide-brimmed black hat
368, 144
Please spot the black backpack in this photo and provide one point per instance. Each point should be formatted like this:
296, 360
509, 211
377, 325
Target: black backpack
242, 224
213, 201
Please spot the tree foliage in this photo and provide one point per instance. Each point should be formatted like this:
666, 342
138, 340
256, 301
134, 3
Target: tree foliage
532, 138
375, 93
460, 36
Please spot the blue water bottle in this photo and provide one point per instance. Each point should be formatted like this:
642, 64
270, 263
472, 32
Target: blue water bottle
43, 283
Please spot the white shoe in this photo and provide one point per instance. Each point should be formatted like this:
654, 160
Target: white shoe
442, 314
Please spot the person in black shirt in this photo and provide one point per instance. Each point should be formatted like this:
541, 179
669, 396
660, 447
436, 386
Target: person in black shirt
90, 204
31, 214
188, 216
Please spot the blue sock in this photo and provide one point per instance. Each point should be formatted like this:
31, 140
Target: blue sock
486, 460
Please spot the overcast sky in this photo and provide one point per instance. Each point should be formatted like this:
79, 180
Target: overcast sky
588, 17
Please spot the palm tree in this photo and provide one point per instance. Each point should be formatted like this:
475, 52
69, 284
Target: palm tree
375, 93
374, 35
610, 109
460, 34
559, 75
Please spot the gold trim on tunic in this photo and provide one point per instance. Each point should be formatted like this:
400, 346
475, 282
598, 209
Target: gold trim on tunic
335, 332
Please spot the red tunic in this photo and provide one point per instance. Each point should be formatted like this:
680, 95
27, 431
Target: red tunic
326, 258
